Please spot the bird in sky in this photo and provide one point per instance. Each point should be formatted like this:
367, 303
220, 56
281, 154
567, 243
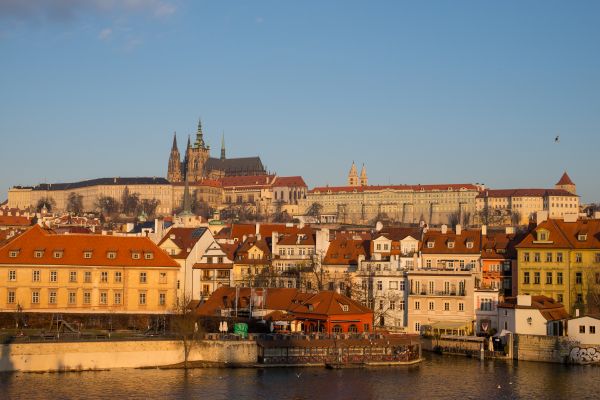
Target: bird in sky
557, 139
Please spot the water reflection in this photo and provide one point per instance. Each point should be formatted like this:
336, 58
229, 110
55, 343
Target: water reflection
438, 377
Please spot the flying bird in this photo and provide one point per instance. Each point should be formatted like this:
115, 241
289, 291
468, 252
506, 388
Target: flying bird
298, 375
557, 139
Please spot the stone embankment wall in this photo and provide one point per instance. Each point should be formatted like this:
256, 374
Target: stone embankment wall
32, 357
554, 349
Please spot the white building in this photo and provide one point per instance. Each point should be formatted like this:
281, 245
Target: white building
586, 330
532, 315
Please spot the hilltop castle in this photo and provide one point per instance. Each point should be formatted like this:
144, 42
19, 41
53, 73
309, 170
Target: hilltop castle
197, 163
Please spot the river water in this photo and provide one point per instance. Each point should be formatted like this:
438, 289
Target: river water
438, 377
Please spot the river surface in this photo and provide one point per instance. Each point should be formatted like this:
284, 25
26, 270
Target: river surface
438, 377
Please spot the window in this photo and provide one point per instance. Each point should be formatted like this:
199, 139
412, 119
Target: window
117, 298
104, 277
559, 297
461, 306
52, 297
402, 305
430, 245
418, 326
72, 297
87, 254
58, 254
336, 329
13, 253
548, 257
111, 255
12, 275
431, 306
428, 263
578, 278
118, 277
559, 278
597, 257
526, 277
35, 297
581, 328
162, 299
381, 304
526, 257
135, 256
536, 257
417, 305
87, 297
379, 285
392, 305
579, 298
162, 277
36, 276
11, 297
592, 329
536, 278
451, 245
402, 285
142, 298
469, 245
73, 276
149, 255
446, 306
143, 277
559, 257
548, 278
87, 276
103, 298
577, 257
38, 253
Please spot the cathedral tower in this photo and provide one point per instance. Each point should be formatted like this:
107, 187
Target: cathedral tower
566, 183
197, 156
364, 181
174, 173
353, 176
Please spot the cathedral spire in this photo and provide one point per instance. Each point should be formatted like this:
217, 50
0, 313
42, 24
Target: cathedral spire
174, 142
353, 176
364, 181
189, 144
187, 203
223, 146
199, 136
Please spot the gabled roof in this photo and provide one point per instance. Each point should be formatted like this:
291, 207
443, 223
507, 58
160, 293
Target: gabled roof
499, 245
253, 181
304, 237
440, 242
550, 309
397, 234
329, 302
14, 220
236, 166
289, 181
184, 238
565, 180
73, 248
343, 251
565, 235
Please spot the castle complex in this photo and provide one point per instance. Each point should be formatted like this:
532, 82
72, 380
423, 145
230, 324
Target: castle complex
198, 164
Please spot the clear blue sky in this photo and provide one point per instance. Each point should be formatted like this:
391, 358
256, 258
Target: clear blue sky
421, 92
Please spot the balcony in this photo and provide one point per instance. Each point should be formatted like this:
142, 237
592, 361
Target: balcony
441, 293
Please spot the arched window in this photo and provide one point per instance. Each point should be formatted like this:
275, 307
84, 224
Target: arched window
337, 329
353, 328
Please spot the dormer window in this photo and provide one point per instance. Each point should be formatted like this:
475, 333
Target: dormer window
430, 244
542, 236
135, 255
450, 245
111, 255
149, 255
344, 307
469, 245
57, 254
13, 253
38, 253
87, 254
582, 237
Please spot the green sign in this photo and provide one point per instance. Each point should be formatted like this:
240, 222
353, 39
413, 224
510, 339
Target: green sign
241, 329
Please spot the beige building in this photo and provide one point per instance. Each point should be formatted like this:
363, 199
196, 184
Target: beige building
358, 203
41, 271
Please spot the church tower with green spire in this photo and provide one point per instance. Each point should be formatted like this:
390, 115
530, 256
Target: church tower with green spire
223, 147
197, 156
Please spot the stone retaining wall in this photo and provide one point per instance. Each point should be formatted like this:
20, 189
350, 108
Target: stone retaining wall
68, 356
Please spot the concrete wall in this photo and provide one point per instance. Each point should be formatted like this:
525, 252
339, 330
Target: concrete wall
119, 354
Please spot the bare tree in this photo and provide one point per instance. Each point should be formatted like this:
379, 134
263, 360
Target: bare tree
184, 324
47, 202
149, 206
129, 202
454, 218
107, 205
314, 210
466, 218
75, 203
384, 303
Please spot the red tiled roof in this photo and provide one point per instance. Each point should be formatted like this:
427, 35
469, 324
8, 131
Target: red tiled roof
202, 182
256, 181
329, 302
304, 237
73, 247
550, 309
565, 235
441, 240
500, 193
565, 180
499, 245
344, 251
184, 239
14, 220
289, 181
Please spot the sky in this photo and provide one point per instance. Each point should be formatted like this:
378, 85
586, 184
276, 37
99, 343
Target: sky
420, 92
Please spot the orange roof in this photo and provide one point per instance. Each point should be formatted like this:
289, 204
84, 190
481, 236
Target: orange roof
582, 234
256, 181
550, 309
304, 237
202, 182
74, 246
14, 220
343, 251
441, 242
329, 302
237, 231
499, 245
499, 193
565, 180
289, 181
184, 238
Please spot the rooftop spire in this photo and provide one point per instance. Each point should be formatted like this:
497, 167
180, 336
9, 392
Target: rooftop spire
199, 135
174, 141
187, 203
223, 146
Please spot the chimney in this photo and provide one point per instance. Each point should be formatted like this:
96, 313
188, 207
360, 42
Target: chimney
458, 229
596, 214
444, 229
483, 230
244, 238
524, 300
577, 313
257, 229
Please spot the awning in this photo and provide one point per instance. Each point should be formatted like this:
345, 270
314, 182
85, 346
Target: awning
451, 325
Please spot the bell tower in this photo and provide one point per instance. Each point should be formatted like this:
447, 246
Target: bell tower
197, 156
353, 176
174, 171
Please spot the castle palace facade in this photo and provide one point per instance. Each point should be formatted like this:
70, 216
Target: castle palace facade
197, 163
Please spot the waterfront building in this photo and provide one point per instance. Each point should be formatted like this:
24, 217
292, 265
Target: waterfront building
506, 207
560, 259
77, 273
441, 297
499, 260
533, 315
357, 203
585, 330
252, 263
214, 269
486, 311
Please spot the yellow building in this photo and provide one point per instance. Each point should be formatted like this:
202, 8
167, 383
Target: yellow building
41, 271
561, 259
